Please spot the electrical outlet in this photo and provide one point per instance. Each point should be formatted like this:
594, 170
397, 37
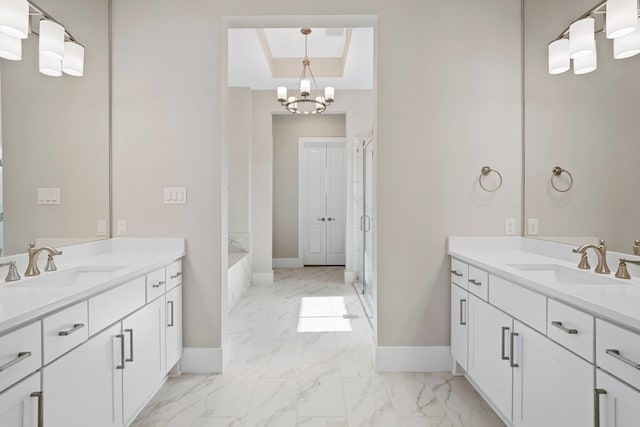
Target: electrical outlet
509, 226
102, 227
532, 226
122, 227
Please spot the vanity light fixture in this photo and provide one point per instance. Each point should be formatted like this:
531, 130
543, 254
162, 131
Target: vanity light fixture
305, 103
58, 50
618, 19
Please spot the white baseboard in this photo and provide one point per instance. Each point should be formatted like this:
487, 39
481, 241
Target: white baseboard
259, 279
349, 276
287, 263
201, 360
413, 359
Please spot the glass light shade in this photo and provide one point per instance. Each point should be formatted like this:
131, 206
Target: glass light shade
294, 105
10, 47
282, 93
73, 61
319, 100
559, 60
51, 39
329, 94
585, 64
622, 17
14, 18
582, 41
305, 87
50, 66
627, 46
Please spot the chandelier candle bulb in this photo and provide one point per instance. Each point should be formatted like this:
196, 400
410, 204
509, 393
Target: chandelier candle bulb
10, 47
582, 41
627, 46
50, 66
305, 87
622, 17
282, 94
73, 61
329, 94
559, 60
51, 39
14, 18
585, 64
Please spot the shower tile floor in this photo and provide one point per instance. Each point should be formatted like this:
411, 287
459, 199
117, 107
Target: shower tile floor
296, 361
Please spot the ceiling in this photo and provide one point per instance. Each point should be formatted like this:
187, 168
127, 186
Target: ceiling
263, 59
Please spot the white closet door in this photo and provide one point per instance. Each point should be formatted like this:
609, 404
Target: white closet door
336, 205
315, 205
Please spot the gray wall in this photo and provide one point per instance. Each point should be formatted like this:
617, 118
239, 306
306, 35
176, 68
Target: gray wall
446, 106
240, 159
287, 129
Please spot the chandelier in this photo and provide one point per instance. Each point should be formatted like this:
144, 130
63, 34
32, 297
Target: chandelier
304, 103
617, 19
58, 52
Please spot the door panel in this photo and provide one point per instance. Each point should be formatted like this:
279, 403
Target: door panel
314, 205
620, 406
336, 204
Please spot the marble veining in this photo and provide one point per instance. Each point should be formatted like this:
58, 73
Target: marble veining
295, 361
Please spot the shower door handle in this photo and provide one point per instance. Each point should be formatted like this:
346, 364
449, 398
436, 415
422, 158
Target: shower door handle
367, 223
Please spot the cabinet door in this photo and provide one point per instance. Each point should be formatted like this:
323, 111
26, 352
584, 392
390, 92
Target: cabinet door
620, 405
145, 361
459, 317
18, 408
174, 326
84, 387
552, 387
488, 360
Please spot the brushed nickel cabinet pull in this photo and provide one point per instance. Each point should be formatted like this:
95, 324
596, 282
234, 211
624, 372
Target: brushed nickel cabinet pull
616, 354
596, 406
40, 397
502, 356
513, 335
563, 329
21, 356
157, 285
475, 282
175, 276
76, 327
130, 359
121, 365
455, 273
462, 322
171, 323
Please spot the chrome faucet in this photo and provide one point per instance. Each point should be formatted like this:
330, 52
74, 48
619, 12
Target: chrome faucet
601, 251
32, 267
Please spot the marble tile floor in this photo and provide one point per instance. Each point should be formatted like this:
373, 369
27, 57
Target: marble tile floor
295, 361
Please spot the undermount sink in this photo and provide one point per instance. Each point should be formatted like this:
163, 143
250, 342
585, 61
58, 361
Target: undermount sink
74, 277
559, 274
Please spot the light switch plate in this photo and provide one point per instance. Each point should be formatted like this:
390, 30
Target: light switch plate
532, 227
175, 195
48, 196
509, 226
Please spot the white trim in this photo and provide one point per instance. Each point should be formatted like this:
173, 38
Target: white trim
349, 276
413, 359
202, 360
259, 279
302, 141
287, 263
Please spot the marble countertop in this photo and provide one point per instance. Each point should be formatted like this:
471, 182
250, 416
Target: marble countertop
617, 300
81, 277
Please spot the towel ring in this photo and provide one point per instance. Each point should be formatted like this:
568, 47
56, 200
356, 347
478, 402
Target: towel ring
485, 171
557, 171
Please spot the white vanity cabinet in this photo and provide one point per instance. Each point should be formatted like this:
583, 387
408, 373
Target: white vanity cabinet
617, 404
19, 403
459, 322
174, 326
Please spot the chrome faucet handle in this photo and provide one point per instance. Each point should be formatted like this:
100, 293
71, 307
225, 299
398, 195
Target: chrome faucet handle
636, 247
51, 264
12, 274
584, 262
622, 272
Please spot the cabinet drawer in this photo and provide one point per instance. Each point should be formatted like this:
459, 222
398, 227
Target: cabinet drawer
525, 305
571, 328
20, 354
459, 273
618, 352
113, 305
156, 284
64, 330
174, 275
478, 282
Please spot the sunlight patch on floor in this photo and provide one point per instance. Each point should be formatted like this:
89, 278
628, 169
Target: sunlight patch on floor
323, 314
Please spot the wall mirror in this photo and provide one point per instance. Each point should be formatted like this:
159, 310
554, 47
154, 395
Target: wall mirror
55, 134
585, 124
